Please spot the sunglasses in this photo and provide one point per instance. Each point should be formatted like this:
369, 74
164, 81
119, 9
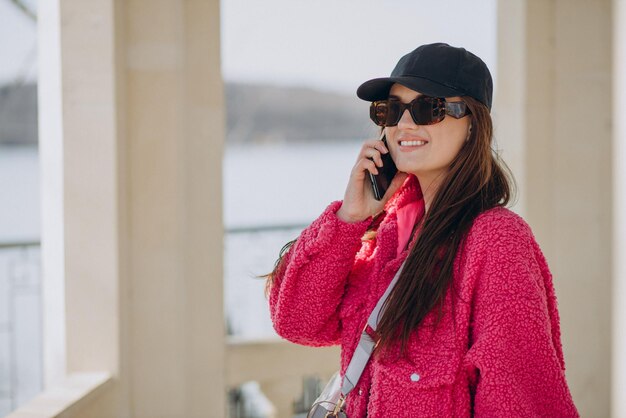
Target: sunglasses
424, 110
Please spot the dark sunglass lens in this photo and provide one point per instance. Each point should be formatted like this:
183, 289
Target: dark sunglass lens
428, 110
394, 112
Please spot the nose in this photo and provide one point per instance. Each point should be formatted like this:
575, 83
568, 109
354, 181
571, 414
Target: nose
406, 120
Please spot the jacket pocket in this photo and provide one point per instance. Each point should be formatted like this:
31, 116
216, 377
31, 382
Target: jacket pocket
420, 385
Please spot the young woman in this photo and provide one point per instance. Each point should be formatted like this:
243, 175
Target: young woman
471, 328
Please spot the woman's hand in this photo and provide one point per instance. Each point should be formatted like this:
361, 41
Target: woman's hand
359, 202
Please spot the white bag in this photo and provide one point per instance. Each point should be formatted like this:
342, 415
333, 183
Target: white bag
330, 402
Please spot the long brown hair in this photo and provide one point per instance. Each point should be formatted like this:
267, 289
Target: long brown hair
477, 180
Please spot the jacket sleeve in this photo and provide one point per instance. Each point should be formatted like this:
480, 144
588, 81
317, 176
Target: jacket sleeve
307, 290
515, 341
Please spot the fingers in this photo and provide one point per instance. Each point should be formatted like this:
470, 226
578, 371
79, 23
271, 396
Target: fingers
377, 144
373, 149
366, 164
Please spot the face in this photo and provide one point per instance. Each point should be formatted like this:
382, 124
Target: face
443, 140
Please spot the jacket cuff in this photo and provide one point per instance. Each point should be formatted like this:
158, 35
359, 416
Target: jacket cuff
329, 230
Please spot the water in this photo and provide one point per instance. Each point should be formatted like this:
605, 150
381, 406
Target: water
263, 185
284, 183
19, 191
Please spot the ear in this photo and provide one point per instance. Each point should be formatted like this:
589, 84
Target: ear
469, 131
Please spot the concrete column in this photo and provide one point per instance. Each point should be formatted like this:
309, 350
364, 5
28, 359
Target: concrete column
618, 381
509, 109
567, 195
141, 135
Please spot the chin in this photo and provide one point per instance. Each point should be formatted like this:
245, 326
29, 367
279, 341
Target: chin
410, 169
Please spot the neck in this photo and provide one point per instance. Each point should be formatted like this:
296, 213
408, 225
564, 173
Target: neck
429, 185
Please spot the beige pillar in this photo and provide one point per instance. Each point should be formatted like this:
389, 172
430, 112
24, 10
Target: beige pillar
566, 70
141, 136
509, 109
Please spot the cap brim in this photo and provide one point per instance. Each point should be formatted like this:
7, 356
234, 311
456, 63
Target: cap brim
378, 88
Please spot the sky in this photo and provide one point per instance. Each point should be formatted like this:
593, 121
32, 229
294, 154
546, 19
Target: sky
325, 44
338, 44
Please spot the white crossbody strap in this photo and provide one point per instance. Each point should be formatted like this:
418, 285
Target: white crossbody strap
364, 350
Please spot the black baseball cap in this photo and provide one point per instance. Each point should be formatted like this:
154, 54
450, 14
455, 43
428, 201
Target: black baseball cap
437, 70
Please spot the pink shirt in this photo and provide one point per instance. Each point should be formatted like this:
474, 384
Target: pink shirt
407, 215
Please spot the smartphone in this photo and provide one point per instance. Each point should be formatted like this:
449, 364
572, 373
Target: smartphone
386, 173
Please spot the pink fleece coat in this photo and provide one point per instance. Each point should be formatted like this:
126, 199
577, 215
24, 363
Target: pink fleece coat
497, 350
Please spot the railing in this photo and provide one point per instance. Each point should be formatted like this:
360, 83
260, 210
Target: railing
277, 366
18, 244
20, 323
265, 228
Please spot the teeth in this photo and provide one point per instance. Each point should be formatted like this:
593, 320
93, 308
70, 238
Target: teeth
411, 143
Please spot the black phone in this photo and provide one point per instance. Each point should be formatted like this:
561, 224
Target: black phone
386, 173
